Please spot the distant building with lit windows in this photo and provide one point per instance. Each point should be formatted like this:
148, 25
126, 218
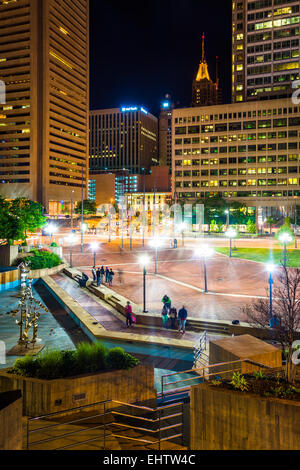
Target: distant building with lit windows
123, 138
165, 132
248, 152
44, 63
205, 92
265, 48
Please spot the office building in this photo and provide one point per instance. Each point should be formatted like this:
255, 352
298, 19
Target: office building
123, 138
265, 48
247, 152
165, 132
205, 92
44, 64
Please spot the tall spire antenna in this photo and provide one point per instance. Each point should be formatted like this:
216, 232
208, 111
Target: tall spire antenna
217, 72
203, 54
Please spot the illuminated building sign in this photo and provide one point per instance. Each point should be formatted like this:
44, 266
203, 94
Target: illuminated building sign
166, 104
126, 109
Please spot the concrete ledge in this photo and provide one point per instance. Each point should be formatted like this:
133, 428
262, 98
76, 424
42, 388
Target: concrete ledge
224, 327
94, 330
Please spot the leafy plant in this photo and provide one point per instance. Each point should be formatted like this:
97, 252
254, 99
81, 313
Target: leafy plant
40, 259
258, 374
87, 358
251, 227
54, 244
239, 382
118, 359
216, 382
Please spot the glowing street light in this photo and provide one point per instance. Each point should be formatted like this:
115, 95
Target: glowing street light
51, 229
144, 261
71, 239
285, 238
270, 269
94, 247
204, 252
231, 233
156, 243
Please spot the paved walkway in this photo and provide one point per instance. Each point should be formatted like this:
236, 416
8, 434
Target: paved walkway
104, 315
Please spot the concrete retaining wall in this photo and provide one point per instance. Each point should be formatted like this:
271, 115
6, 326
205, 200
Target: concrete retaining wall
48, 396
228, 420
11, 420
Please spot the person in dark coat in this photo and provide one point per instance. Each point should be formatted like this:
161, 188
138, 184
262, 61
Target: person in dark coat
102, 274
94, 274
106, 274
173, 316
98, 275
167, 302
111, 277
182, 316
83, 280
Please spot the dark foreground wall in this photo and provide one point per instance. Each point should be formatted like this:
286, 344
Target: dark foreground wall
11, 420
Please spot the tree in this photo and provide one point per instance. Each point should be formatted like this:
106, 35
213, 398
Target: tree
251, 227
30, 213
89, 207
285, 228
286, 310
11, 226
271, 220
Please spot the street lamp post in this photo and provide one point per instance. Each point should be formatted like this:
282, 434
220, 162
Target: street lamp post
296, 246
71, 238
271, 269
144, 200
144, 261
72, 209
231, 233
156, 243
94, 247
227, 212
285, 238
204, 252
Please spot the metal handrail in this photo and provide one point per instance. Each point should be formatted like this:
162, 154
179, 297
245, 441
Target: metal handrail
104, 403
204, 375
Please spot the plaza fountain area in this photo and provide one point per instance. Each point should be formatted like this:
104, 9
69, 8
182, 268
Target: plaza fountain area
57, 329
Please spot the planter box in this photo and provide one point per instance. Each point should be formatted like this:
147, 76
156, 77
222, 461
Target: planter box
11, 420
48, 396
37, 273
229, 420
8, 254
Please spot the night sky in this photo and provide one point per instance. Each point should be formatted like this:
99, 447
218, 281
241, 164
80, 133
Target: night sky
139, 51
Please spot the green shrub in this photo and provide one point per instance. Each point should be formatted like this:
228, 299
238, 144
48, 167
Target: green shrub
86, 359
39, 259
90, 357
239, 382
117, 358
54, 244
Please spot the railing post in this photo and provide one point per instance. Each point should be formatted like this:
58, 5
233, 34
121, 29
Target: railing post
104, 437
162, 387
27, 434
159, 432
182, 424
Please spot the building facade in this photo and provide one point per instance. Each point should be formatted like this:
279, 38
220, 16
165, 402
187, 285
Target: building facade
123, 139
247, 152
44, 65
204, 91
165, 132
265, 48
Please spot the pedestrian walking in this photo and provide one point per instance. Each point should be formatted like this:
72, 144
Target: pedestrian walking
94, 274
128, 313
106, 274
111, 277
120, 274
173, 316
167, 302
98, 277
175, 243
182, 316
164, 315
102, 274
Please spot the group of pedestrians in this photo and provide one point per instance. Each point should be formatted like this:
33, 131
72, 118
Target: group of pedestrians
101, 275
171, 318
